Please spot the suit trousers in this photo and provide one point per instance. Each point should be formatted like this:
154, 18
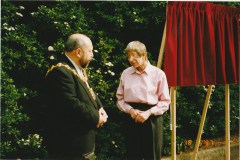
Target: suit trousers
144, 140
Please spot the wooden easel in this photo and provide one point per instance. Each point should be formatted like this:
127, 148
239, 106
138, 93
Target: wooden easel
207, 100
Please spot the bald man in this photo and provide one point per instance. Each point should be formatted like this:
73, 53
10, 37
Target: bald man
74, 111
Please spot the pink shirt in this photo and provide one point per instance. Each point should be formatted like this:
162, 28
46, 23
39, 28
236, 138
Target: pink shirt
149, 87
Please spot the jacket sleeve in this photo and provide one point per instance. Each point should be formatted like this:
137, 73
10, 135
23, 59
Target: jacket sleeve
62, 90
99, 102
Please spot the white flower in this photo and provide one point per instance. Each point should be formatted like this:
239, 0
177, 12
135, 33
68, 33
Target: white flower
73, 17
66, 24
109, 64
205, 88
50, 48
19, 14
24, 94
136, 20
112, 73
25, 143
98, 71
12, 28
33, 13
212, 127
36, 136
52, 57
4, 24
21, 7
9, 29
134, 13
96, 51
113, 142
55, 22
210, 105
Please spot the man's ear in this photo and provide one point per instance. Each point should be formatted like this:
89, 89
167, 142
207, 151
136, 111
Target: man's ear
79, 52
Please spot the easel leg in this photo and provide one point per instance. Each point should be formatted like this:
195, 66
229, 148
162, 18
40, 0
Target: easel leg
173, 122
227, 121
200, 130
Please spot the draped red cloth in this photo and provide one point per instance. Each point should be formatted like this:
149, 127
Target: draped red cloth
202, 44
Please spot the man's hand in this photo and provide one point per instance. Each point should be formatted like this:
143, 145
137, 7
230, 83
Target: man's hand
143, 116
102, 117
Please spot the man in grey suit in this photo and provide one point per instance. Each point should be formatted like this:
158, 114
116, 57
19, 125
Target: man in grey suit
74, 111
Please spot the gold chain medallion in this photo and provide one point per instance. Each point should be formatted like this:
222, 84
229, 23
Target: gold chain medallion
84, 79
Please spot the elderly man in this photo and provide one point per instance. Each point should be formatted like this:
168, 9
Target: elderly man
74, 111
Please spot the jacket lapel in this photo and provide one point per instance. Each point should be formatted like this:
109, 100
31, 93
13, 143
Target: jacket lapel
82, 83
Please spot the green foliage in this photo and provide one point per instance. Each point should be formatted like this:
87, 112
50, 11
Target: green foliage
231, 4
166, 135
20, 48
33, 36
104, 72
20, 51
110, 141
190, 102
31, 147
131, 15
61, 25
12, 120
9, 125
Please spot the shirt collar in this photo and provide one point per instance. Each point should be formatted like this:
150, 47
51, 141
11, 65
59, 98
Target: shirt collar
75, 65
146, 70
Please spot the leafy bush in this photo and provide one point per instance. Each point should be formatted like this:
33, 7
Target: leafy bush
12, 123
33, 36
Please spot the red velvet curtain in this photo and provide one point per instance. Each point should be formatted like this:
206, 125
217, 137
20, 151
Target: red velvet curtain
202, 44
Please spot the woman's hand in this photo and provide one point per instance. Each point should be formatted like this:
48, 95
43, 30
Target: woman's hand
143, 116
134, 112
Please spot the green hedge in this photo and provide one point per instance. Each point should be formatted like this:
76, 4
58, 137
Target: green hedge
33, 36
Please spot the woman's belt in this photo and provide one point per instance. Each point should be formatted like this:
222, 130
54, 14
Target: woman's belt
141, 106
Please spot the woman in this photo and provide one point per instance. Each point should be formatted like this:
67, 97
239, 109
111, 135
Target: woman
143, 95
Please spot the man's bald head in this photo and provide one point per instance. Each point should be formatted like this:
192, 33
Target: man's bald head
75, 41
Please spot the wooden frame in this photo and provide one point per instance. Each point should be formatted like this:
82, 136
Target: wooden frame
173, 110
